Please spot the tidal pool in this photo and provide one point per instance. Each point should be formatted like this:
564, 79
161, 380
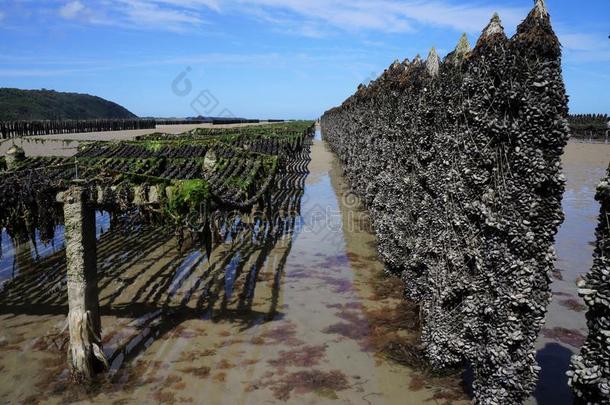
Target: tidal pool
302, 315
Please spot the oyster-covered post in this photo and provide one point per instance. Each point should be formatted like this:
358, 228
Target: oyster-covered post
85, 353
459, 164
14, 156
590, 370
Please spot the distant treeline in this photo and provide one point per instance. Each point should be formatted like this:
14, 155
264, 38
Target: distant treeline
589, 126
13, 129
37, 105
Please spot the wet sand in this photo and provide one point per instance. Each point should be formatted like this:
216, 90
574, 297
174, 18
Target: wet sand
307, 319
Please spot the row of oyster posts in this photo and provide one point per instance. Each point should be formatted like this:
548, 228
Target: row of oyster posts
459, 164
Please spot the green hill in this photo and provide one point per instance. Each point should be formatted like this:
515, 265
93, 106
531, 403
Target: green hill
43, 104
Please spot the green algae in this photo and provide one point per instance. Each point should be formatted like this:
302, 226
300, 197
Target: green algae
237, 182
186, 196
153, 146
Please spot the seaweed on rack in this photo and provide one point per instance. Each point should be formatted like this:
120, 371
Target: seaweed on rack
175, 182
27, 202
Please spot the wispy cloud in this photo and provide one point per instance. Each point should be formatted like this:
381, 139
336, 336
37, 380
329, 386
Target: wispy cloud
77, 11
585, 47
39, 72
149, 14
583, 42
71, 9
390, 15
31, 66
173, 15
39, 68
309, 18
192, 4
320, 18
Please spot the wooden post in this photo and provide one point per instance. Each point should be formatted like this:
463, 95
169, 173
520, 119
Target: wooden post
14, 156
85, 353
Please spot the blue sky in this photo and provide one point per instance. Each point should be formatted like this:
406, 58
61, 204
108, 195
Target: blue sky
265, 58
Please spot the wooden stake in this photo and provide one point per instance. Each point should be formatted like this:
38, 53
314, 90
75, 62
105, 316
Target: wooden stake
85, 351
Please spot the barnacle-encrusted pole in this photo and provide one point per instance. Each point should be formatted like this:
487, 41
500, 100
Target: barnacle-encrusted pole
459, 163
433, 63
519, 126
463, 47
590, 371
85, 351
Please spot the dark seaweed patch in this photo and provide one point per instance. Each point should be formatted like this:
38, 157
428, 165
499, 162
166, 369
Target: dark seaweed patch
199, 372
164, 397
305, 356
567, 336
225, 365
573, 304
282, 334
220, 377
322, 383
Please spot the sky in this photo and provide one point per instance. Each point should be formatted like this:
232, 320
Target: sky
266, 58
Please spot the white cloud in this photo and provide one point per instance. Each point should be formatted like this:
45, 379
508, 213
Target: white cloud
391, 15
147, 13
585, 47
35, 72
583, 42
192, 4
312, 18
34, 66
174, 15
71, 9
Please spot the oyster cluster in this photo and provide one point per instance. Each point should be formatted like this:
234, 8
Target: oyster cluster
590, 370
458, 162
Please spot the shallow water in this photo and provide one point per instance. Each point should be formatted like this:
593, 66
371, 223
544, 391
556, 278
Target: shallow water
25, 254
566, 327
301, 315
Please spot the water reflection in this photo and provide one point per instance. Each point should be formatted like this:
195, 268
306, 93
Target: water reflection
18, 255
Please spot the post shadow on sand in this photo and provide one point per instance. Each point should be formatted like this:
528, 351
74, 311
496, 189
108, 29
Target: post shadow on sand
552, 388
155, 316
